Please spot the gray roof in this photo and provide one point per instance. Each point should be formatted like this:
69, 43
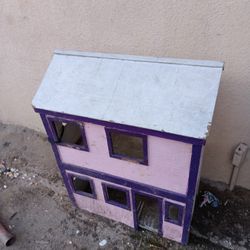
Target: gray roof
164, 94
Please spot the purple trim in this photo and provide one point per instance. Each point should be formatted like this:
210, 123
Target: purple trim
125, 182
192, 183
160, 202
180, 213
70, 179
187, 221
58, 160
105, 187
152, 132
52, 119
124, 157
194, 170
136, 227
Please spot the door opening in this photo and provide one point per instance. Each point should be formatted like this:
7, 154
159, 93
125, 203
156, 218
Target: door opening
148, 212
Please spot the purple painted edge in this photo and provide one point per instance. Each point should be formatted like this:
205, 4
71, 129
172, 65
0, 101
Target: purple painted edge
51, 119
179, 221
192, 181
160, 202
194, 170
58, 160
105, 186
136, 227
126, 132
152, 132
90, 195
187, 222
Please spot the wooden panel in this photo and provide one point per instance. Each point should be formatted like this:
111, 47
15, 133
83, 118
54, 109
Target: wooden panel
169, 161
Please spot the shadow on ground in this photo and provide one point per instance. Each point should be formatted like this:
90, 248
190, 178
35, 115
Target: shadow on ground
36, 208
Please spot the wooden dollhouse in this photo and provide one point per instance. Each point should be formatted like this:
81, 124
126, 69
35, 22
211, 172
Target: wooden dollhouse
128, 134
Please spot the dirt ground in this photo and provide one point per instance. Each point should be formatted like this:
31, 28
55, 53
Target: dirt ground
36, 208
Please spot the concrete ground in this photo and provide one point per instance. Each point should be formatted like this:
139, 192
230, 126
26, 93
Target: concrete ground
36, 208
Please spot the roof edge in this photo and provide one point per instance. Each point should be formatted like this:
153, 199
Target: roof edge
112, 124
165, 60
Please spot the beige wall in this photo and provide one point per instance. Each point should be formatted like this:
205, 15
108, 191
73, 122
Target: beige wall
217, 30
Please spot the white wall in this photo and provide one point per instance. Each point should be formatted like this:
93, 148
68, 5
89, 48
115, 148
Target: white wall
219, 30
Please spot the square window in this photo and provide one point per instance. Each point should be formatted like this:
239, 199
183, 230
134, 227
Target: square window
69, 133
83, 186
116, 196
127, 146
173, 213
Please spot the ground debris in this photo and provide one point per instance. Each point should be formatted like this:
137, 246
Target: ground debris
13, 215
7, 171
224, 225
42, 242
209, 198
102, 243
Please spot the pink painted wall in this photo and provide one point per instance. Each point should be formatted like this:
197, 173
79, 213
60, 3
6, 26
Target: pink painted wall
168, 168
170, 230
100, 207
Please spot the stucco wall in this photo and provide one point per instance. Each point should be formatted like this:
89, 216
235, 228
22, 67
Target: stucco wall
217, 30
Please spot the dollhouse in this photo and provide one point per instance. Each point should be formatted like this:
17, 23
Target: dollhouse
128, 134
